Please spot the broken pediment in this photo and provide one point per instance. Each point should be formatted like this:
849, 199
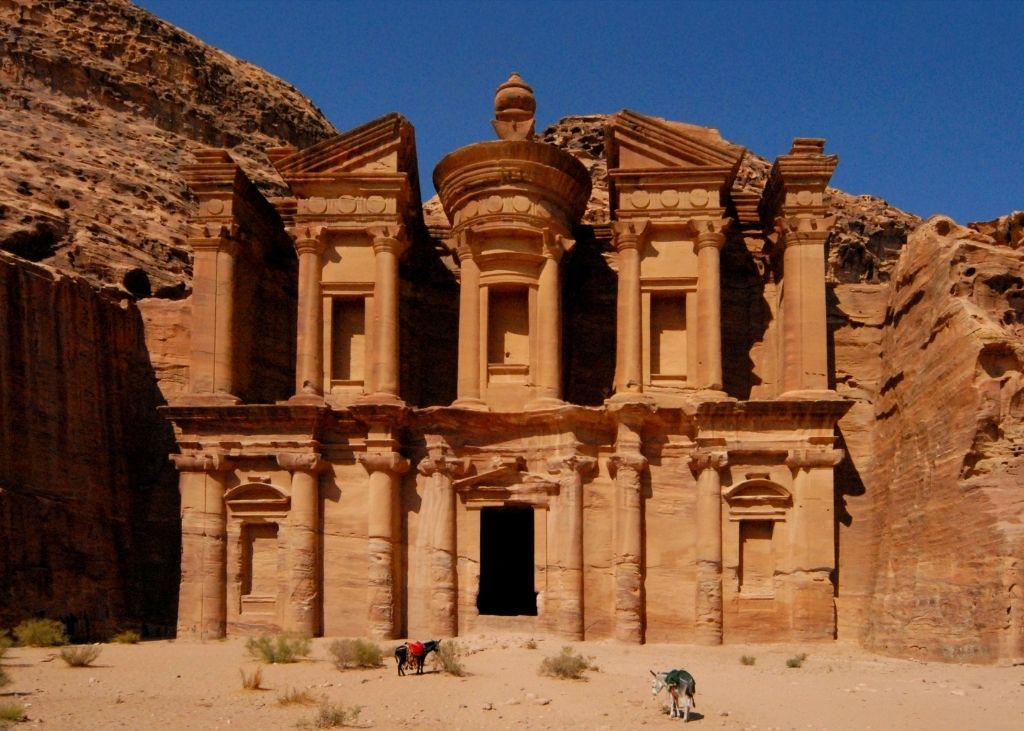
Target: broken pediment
385, 145
636, 142
505, 482
257, 497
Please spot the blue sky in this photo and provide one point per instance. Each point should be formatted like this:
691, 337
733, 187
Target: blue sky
922, 101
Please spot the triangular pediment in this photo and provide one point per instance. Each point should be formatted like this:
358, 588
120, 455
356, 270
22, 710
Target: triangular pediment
385, 145
638, 142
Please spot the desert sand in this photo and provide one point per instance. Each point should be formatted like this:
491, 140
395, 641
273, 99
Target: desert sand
179, 685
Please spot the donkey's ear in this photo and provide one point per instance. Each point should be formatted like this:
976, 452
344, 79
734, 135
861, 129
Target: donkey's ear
654, 673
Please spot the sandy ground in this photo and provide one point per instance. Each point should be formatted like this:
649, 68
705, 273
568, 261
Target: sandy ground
179, 685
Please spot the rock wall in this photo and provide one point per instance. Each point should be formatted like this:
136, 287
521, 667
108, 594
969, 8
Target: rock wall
948, 457
88, 505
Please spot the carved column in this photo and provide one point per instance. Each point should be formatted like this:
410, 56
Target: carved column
224, 349
571, 472
302, 613
706, 465
309, 369
629, 356
387, 247
805, 333
549, 334
812, 554
710, 240
469, 392
211, 363
202, 599
438, 520
385, 469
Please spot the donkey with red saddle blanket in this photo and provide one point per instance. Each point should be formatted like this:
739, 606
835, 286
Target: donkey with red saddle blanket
410, 652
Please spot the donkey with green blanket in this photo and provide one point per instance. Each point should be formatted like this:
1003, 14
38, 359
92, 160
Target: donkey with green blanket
680, 684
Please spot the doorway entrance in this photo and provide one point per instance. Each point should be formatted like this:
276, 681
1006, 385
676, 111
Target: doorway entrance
506, 561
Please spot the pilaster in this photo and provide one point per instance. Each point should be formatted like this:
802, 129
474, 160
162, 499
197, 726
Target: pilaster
629, 242
309, 371
706, 464
302, 613
569, 536
710, 239
388, 245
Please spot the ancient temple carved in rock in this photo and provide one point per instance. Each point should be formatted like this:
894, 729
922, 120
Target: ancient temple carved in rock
329, 488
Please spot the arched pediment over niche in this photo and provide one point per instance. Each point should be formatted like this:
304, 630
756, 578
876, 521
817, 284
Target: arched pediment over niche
257, 497
758, 499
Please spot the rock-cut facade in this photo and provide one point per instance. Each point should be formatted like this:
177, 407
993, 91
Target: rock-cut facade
328, 488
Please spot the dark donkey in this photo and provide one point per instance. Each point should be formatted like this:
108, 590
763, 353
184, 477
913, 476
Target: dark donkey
414, 652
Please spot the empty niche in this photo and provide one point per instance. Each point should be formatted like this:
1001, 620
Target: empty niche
508, 332
259, 561
757, 562
348, 340
668, 336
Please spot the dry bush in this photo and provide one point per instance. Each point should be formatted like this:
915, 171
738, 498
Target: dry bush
530, 644
356, 654
11, 713
449, 658
128, 637
748, 660
80, 656
296, 697
41, 633
566, 664
333, 715
251, 680
278, 648
796, 661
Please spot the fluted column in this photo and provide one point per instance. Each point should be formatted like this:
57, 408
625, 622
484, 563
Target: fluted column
469, 393
812, 548
569, 535
710, 240
706, 466
302, 613
388, 245
438, 520
202, 597
629, 357
309, 368
385, 469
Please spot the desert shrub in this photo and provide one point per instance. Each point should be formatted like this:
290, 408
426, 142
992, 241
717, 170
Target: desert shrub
253, 679
356, 654
748, 660
80, 656
796, 661
41, 633
278, 648
333, 715
295, 697
449, 657
530, 644
566, 664
11, 713
128, 637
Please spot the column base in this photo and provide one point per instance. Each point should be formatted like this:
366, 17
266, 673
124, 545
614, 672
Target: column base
306, 398
473, 404
380, 398
543, 402
629, 397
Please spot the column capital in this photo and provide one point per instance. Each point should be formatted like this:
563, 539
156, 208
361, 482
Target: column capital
811, 458
707, 459
308, 245
710, 231
301, 461
574, 463
630, 234
391, 462
202, 462
388, 239
803, 229
635, 462
440, 460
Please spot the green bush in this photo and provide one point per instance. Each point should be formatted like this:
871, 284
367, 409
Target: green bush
278, 648
748, 660
80, 656
128, 637
356, 654
567, 664
333, 715
449, 657
41, 633
796, 661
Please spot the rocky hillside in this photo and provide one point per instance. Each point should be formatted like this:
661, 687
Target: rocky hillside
100, 105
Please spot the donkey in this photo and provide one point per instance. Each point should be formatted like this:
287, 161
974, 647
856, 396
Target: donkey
409, 652
679, 683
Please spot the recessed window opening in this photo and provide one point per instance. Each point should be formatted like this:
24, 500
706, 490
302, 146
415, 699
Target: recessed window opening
506, 561
259, 559
508, 326
348, 339
668, 335
757, 563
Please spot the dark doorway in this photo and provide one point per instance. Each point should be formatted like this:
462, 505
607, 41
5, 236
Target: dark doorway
506, 561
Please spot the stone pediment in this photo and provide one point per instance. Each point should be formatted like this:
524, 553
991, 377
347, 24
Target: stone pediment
636, 142
505, 482
385, 145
